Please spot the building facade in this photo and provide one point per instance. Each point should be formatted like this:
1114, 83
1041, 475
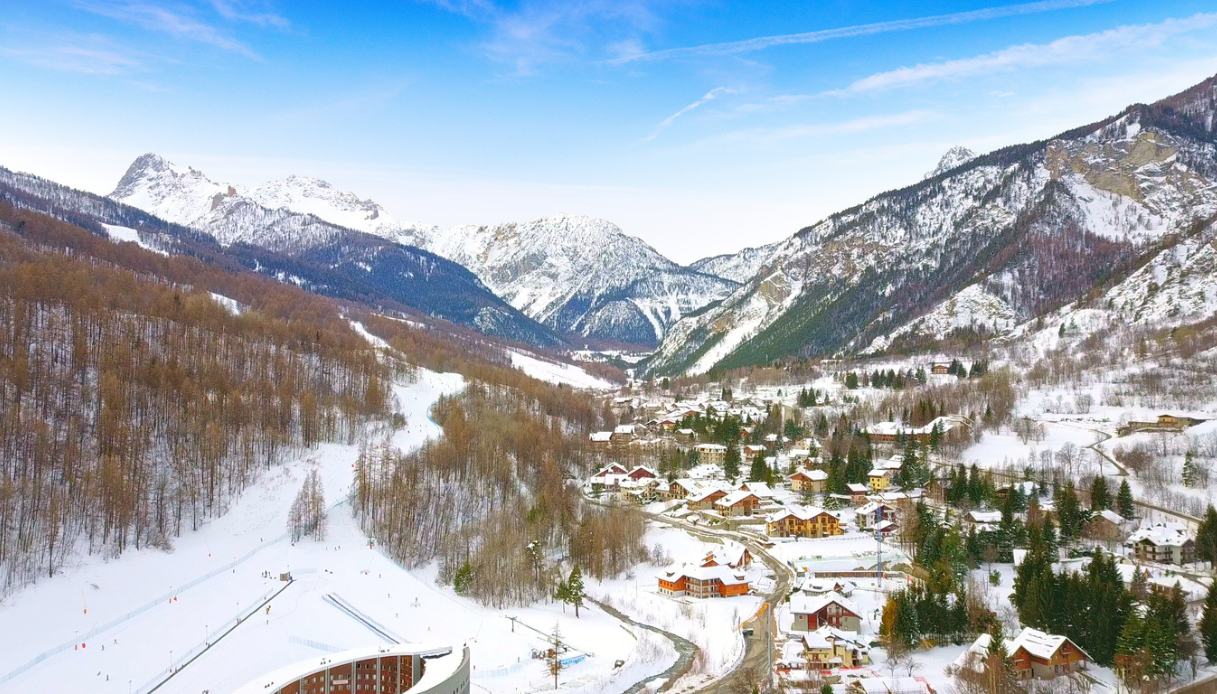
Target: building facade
397, 669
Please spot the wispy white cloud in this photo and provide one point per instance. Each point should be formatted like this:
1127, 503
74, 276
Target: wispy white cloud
821, 130
1066, 50
179, 21
249, 12
540, 32
705, 99
65, 51
763, 42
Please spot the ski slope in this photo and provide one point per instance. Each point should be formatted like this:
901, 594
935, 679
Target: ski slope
127, 624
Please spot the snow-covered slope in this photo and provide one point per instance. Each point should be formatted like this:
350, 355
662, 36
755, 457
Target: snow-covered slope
1176, 285
973, 308
214, 614
738, 267
1037, 225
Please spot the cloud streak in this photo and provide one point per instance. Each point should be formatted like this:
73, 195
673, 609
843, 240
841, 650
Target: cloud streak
763, 42
534, 33
240, 11
819, 130
181, 23
705, 99
1069, 49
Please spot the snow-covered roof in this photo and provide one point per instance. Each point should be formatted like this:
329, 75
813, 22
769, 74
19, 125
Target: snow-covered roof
800, 512
984, 516
624, 429
1038, 643
439, 658
731, 553
813, 475
1161, 535
1112, 517
886, 428
802, 603
856, 487
725, 574
870, 507
710, 447
600, 436
705, 491
814, 584
878, 472
734, 498
761, 489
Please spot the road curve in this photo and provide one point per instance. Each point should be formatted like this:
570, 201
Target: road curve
755, 667
685, 650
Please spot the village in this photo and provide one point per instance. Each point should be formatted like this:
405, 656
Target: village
826, 525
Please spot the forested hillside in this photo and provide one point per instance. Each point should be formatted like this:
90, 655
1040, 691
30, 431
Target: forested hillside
135, 406
490, 500
141, 393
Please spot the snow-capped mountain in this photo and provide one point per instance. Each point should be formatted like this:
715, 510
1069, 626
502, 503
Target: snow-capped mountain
1033, 226
954, 157
583, 275
180, 210
574, 274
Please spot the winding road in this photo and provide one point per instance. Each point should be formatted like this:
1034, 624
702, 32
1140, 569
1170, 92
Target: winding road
756, 666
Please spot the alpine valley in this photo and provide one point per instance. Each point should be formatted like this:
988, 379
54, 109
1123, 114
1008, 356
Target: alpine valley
1111, 221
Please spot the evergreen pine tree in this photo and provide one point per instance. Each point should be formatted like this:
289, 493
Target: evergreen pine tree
1206, 537
463, 580
1124, 503
562, 594
759, 470
1100, 497
1208, 625
1191, 475
574, 588
1069, 512
731, 462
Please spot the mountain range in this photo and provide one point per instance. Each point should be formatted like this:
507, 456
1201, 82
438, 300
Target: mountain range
580, 277
295, 248
1110, 221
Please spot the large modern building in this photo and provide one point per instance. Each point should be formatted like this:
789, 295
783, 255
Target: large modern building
397, 669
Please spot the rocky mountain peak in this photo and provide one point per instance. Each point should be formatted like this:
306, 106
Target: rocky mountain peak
955, 156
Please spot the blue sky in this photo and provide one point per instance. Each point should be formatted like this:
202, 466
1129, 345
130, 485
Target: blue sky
701, 127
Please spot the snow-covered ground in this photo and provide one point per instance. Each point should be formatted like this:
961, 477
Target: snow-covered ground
230, 304
124, 624
555, 372
120, 233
